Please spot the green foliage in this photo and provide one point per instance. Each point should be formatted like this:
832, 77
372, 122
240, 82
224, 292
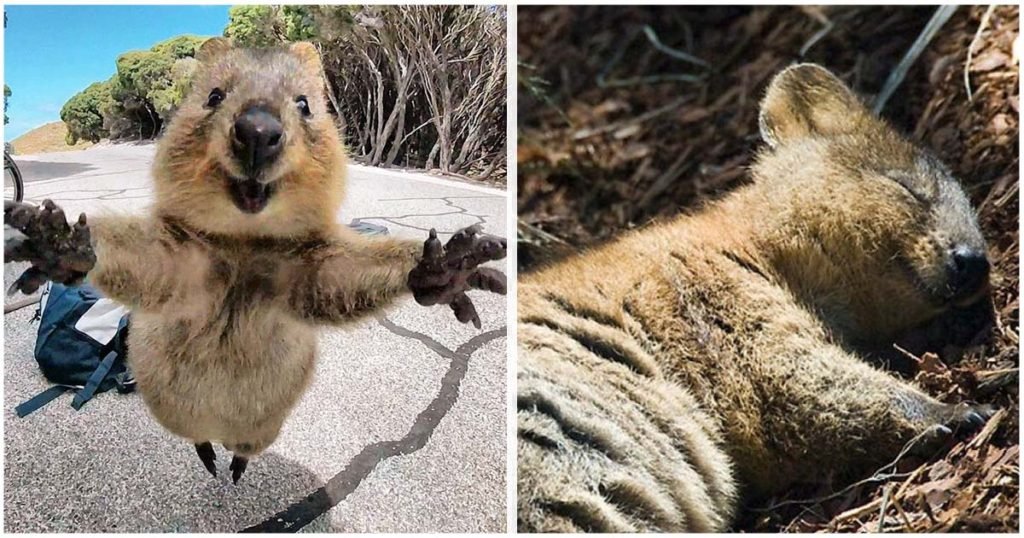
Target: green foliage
183, 46
167, 98
252, 26
268, 26
147, 88
83, 113
144, 72
7, 93
299, 23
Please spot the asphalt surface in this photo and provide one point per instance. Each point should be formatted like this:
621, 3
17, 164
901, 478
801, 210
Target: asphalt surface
403, 429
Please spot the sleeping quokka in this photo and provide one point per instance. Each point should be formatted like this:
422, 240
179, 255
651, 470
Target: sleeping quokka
684, 367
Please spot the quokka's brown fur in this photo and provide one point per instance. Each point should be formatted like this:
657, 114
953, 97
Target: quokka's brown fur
226, 304
685, 368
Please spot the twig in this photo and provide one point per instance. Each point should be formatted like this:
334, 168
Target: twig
587, 133
907, 525
528, 229
817, 500
649, 79
675, 53
993, 380
990, 428
817, 14
910, 479
908, 354
796, 519
854, 512
970, 50
886, 491
666, 179
939, 18
604, 82
926, 507
877, 476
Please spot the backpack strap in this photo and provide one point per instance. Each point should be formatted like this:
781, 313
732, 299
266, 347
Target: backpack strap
40, 400
94, 381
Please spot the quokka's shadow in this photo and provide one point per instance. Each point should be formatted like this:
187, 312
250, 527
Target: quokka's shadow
132, 485
110, 468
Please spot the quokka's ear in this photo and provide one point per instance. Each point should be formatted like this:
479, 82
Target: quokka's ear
805, 100
308, 55
213, 48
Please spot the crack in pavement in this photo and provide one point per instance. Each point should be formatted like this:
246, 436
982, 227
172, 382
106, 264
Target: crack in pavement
441, 198
107, 192
481, 219
303, 512
76, 177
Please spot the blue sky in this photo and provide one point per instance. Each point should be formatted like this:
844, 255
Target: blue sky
53, 52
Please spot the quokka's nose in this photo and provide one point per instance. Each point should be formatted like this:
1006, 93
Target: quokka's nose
970, 268
259, 137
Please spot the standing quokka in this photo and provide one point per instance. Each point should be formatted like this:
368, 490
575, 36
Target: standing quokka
683, 367
240, 259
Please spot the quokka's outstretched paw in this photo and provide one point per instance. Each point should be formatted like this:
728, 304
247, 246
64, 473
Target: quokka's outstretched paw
56, 250
446, 272
207, 456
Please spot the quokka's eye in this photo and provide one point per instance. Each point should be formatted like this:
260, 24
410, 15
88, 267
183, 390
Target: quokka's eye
303, 105
215, 98
909, 183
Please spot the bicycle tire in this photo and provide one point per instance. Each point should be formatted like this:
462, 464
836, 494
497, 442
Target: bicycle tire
19, 185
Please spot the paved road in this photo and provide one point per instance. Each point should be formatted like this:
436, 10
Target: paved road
403, 429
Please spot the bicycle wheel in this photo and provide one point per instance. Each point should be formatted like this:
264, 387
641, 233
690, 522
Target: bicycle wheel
14, 188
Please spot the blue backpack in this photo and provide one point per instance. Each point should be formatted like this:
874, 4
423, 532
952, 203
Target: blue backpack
80, 345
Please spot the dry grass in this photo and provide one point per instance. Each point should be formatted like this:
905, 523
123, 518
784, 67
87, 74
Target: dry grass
46, 138
596, 160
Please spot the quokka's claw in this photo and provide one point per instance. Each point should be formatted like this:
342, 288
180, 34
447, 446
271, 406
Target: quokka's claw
490, 247
955, 422
207, 456
238, 465
469, 248
464, 310
433, 251
28, 282
19, 214
461, 242
487, 279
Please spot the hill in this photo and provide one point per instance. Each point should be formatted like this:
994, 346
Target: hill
46, 138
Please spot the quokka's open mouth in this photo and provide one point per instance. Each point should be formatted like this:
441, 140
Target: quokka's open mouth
250, 195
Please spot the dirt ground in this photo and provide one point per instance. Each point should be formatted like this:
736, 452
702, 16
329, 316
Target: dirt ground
616, 128
45, 139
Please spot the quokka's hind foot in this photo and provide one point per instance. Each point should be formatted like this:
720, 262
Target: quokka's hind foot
207, 456
238, 465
